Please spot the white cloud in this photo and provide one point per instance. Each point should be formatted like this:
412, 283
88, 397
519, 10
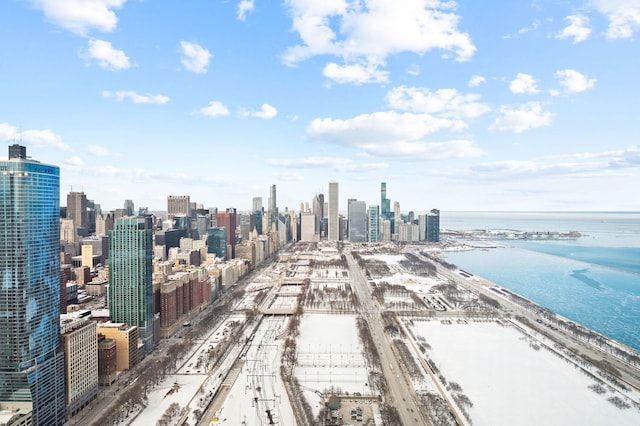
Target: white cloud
575, 82
266, 112
477, 80
414, 70
98, 151
215, 109
335, 163
446, 102
523, 83
390, 134
357, 74
74, 162
623, 15
39, 138
107, 56
525, 117
80, 16
244, 7
136, 98
196, 58
579, 28
370, 30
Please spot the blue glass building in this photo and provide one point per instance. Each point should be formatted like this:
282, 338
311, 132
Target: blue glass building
31, 363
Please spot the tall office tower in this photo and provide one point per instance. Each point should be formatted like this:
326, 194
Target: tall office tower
130, 269
333, 230
357, 221
77, 209
273, 207
397, 215
433, 226
318, 211
228, 220
257, 204
129, 207
385, 203
178, 205
217, 242
32, 385
374, 223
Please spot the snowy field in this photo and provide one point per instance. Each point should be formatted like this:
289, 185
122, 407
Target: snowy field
330, 354
511, 383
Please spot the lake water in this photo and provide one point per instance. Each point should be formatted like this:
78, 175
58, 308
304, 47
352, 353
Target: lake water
593, 280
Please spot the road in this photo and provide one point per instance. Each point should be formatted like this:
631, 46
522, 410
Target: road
401, 393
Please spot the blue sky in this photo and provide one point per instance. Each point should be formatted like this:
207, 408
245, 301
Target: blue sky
457, 105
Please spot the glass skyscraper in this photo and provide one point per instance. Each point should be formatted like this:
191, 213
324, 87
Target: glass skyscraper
130, 271
31, 363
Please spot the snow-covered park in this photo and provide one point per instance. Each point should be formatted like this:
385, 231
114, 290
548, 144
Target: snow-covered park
511, 380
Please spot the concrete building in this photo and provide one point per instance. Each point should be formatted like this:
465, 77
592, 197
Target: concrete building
31, 362
77, 210
80, 346
308, 231
178, 205
333, 230
126, 337
107, 357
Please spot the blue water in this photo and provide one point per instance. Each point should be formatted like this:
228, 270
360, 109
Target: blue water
594, 280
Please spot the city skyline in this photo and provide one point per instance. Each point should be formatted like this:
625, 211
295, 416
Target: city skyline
529, 106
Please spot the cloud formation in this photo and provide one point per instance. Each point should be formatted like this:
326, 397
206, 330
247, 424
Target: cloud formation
215, 109
521, 118
477, 80
80, 16
574, 82
579, 28
523, 84
136, 98
623, 15
266, 112
196, 58
40, 138
334, 163
365, 33
356, 74
107, 56
244, 7
445, 102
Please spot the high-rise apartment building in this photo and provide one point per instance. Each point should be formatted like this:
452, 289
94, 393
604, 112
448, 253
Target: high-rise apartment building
129, 207
374, 224
228, 220
318, 212
130, 270
80, 344
257, 204
357, 216
333, 230
32, 385
273, 207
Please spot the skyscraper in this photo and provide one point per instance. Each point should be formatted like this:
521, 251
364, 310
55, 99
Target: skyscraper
77, 210
273, 207
385, 203
357, 213
31, 363
178, 205
433, 226
130, 269
333, 230
374, 224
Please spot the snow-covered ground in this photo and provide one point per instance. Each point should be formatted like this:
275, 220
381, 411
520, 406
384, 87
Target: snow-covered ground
330, 354
258, 387
509, 382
